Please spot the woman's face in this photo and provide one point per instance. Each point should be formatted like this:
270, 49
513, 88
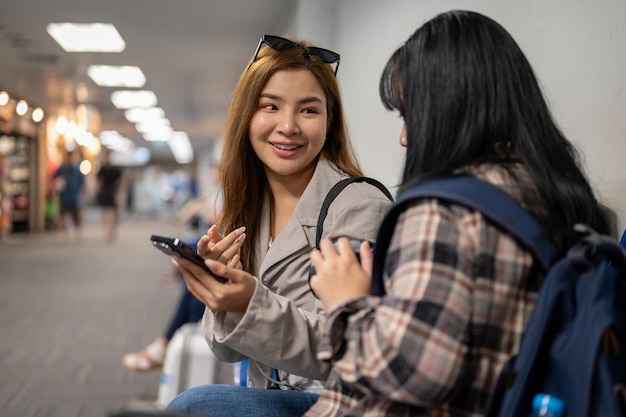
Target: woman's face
288, 128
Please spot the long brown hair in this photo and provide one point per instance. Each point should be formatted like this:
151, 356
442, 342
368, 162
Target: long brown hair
243, 177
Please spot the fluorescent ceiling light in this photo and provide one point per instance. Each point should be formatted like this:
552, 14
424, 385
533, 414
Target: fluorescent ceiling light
161, 135
126, 99
112, 76
133, 158
153, 125
181, 147
139, 114
114, 141
87, 37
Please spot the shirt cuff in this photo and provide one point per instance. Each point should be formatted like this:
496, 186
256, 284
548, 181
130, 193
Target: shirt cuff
336, 328
225, 323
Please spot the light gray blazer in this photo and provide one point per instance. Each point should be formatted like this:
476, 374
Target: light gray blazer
281, 327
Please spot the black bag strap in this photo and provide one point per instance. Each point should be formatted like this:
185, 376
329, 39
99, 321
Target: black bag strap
334, 192
477, 194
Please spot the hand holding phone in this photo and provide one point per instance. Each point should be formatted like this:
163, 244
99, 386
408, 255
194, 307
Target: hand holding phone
177, 248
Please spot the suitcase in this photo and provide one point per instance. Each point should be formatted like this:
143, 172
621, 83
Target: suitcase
189, 362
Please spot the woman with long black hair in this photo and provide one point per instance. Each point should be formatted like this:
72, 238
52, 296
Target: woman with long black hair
459, 289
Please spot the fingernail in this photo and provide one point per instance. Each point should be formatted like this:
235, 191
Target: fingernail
241, 229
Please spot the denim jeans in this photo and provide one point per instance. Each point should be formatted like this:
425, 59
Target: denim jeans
237, 401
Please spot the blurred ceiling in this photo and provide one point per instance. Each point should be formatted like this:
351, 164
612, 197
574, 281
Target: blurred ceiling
191, 52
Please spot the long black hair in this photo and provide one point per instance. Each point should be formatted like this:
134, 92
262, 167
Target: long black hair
468, 95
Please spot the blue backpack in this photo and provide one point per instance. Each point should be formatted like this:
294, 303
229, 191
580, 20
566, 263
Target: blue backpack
574, 346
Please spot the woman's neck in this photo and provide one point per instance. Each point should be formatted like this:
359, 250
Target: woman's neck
286, 193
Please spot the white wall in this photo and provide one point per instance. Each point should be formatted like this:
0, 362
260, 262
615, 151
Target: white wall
575, 46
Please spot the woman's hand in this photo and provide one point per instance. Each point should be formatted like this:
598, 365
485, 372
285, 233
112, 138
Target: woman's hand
225, 249
233, 295
339, 275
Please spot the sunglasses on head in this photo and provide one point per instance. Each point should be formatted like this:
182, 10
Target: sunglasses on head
281, 44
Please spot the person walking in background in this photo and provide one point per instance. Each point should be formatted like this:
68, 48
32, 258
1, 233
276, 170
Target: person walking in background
285, 146
109, 180
70, 184
51, 209
459, 289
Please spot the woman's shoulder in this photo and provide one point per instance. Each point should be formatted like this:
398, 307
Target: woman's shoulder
515, 180
361, 189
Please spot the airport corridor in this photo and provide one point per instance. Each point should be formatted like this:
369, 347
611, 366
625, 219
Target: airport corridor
69, 311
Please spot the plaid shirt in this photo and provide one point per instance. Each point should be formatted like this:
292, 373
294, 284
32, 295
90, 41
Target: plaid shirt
459, 294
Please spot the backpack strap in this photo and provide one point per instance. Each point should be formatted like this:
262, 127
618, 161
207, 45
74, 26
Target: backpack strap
334, 192
477, 194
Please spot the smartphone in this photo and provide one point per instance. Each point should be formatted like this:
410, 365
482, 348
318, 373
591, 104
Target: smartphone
176, 247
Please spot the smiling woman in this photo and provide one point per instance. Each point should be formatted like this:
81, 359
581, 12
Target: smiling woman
285, 147
288, 130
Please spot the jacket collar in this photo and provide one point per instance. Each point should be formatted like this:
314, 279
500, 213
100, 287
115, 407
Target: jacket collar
294, 237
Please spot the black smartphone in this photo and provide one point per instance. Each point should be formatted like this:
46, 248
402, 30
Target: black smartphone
176, 247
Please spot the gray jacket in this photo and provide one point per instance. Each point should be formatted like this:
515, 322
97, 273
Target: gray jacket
281, 327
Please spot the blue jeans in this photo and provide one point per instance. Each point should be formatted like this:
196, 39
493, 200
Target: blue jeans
237, 401
189, 309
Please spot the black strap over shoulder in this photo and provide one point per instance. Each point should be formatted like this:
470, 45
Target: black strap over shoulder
334, 192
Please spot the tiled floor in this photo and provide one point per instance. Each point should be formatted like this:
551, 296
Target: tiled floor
68, 312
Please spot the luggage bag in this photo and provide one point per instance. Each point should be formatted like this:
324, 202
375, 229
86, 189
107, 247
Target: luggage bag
189, 362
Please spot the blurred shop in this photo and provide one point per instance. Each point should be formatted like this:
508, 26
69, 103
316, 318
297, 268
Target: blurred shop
21, 144
32, 146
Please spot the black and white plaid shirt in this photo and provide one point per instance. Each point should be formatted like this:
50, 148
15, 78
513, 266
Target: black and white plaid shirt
459, 294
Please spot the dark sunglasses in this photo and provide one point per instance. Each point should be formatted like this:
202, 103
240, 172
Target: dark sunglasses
282, 44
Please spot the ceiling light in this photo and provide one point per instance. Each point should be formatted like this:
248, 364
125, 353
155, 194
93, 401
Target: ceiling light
37, 115
61, 125
126, 99
85, 167
21, 108
87, 37
113, 76
152, 125
4, 98
138, 114
114, 141
181, 147
158, 135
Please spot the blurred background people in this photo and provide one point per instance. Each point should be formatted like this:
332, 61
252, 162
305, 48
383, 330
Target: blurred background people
109, 180
153, 193
69, 181
51, 209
